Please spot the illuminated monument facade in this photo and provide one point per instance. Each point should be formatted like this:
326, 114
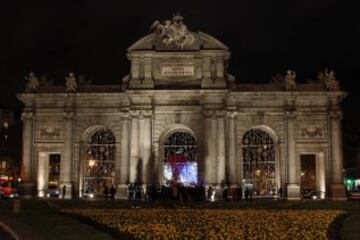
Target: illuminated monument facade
180, 118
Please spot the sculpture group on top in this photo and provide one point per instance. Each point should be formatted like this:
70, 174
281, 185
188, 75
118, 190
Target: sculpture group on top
287, 82
290, 84
173, 32
71, 84
33, 83
328, 79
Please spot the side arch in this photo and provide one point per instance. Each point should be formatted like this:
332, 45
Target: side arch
97, 160
275, 139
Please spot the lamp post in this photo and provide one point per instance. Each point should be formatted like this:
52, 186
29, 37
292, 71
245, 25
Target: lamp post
91, 165
257, 173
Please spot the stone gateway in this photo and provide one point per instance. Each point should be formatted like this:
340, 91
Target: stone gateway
179, 117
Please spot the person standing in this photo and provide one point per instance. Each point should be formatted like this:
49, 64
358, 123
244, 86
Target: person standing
247, 193
239, 192
280, 193
106, 192
112, 192
63, 191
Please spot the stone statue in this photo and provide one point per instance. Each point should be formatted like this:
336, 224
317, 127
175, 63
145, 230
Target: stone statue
71, 84
330, 82
289, 78
173, 32
32, 82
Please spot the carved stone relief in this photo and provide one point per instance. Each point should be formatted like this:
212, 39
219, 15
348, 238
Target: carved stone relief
50, 132
311, 132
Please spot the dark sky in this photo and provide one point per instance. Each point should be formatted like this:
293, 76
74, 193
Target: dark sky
265, 37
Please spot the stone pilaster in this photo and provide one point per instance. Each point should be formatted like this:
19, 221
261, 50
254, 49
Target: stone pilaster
206, 81
27, 173
336, 188
146, 146
293, 186
135, 73
210, 147
66, 162
148, 81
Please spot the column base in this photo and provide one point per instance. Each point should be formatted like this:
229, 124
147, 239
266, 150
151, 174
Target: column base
121, 191
68, 190
337, 192
27, 190
293, 192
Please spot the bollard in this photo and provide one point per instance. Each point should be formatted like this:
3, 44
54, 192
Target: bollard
16, 206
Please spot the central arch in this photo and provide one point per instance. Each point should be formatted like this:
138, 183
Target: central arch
179, 157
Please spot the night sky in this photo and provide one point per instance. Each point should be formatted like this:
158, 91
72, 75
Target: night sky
265, 38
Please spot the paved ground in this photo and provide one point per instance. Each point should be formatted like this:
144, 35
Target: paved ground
351, 227
4, 235
37, 221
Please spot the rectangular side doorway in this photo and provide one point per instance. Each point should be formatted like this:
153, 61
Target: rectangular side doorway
54, 175
308, 176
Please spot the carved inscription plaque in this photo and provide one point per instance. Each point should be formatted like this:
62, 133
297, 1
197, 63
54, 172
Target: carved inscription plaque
177, 69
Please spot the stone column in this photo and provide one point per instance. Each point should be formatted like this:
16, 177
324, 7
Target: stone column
231, 140
134, 149
220, 156
337, 188
27, 174
146, 143
206, 81
208, 169
66, 161
42, 174
124, 159
293, 186
320, 172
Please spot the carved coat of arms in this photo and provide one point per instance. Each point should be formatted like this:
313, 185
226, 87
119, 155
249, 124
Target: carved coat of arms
173, 32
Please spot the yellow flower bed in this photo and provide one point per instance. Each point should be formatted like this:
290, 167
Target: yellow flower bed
215, 223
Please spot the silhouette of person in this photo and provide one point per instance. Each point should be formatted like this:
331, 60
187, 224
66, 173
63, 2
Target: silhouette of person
63, 191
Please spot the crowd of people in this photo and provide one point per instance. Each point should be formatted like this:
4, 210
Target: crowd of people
175, 192
189, 193
179, 192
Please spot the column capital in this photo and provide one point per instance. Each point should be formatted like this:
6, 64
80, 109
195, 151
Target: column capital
134, 113
290, 115
146, 113
220, 113
69, 115
231, 114
336, 115
209, 113
124, 116
27, 116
